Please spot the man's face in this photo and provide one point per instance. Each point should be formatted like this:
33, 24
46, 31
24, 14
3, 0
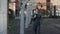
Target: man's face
36, 11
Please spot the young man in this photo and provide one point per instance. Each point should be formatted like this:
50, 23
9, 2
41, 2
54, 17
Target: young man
36, 20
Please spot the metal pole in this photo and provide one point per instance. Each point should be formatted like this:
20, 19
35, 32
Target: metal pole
28, 15
22, 18
54, 11
3, 16
27, 18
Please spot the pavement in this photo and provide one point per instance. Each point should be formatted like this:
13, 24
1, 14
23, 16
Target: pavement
48, 26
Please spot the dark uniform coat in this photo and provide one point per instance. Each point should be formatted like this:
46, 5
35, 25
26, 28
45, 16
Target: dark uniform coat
36, 22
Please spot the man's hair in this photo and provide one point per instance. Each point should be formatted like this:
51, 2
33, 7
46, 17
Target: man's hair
34, 9
40, 4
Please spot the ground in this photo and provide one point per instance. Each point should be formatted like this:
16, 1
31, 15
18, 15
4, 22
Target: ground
13, 26
48, 26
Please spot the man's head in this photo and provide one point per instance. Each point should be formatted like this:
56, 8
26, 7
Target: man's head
39, 6
35, 11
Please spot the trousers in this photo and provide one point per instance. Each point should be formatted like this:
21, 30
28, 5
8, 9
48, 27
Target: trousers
36, 28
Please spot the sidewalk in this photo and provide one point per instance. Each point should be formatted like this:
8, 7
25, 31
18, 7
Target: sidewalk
48, 26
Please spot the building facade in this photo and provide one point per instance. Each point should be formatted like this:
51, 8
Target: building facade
15, 6
49, 4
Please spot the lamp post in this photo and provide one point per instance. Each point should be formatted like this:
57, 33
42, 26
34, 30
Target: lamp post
54, 5
28, 16
22, 18
54, 10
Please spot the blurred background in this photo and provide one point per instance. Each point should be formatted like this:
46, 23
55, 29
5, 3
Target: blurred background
49, 25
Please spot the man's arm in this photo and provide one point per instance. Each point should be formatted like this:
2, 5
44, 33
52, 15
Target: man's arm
33, 16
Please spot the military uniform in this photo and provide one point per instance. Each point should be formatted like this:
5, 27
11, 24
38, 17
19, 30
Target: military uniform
36, 22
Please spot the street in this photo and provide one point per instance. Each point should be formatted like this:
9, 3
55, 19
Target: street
48, 26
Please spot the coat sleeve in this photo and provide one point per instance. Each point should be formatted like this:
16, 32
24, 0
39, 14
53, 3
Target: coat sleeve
33, 16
